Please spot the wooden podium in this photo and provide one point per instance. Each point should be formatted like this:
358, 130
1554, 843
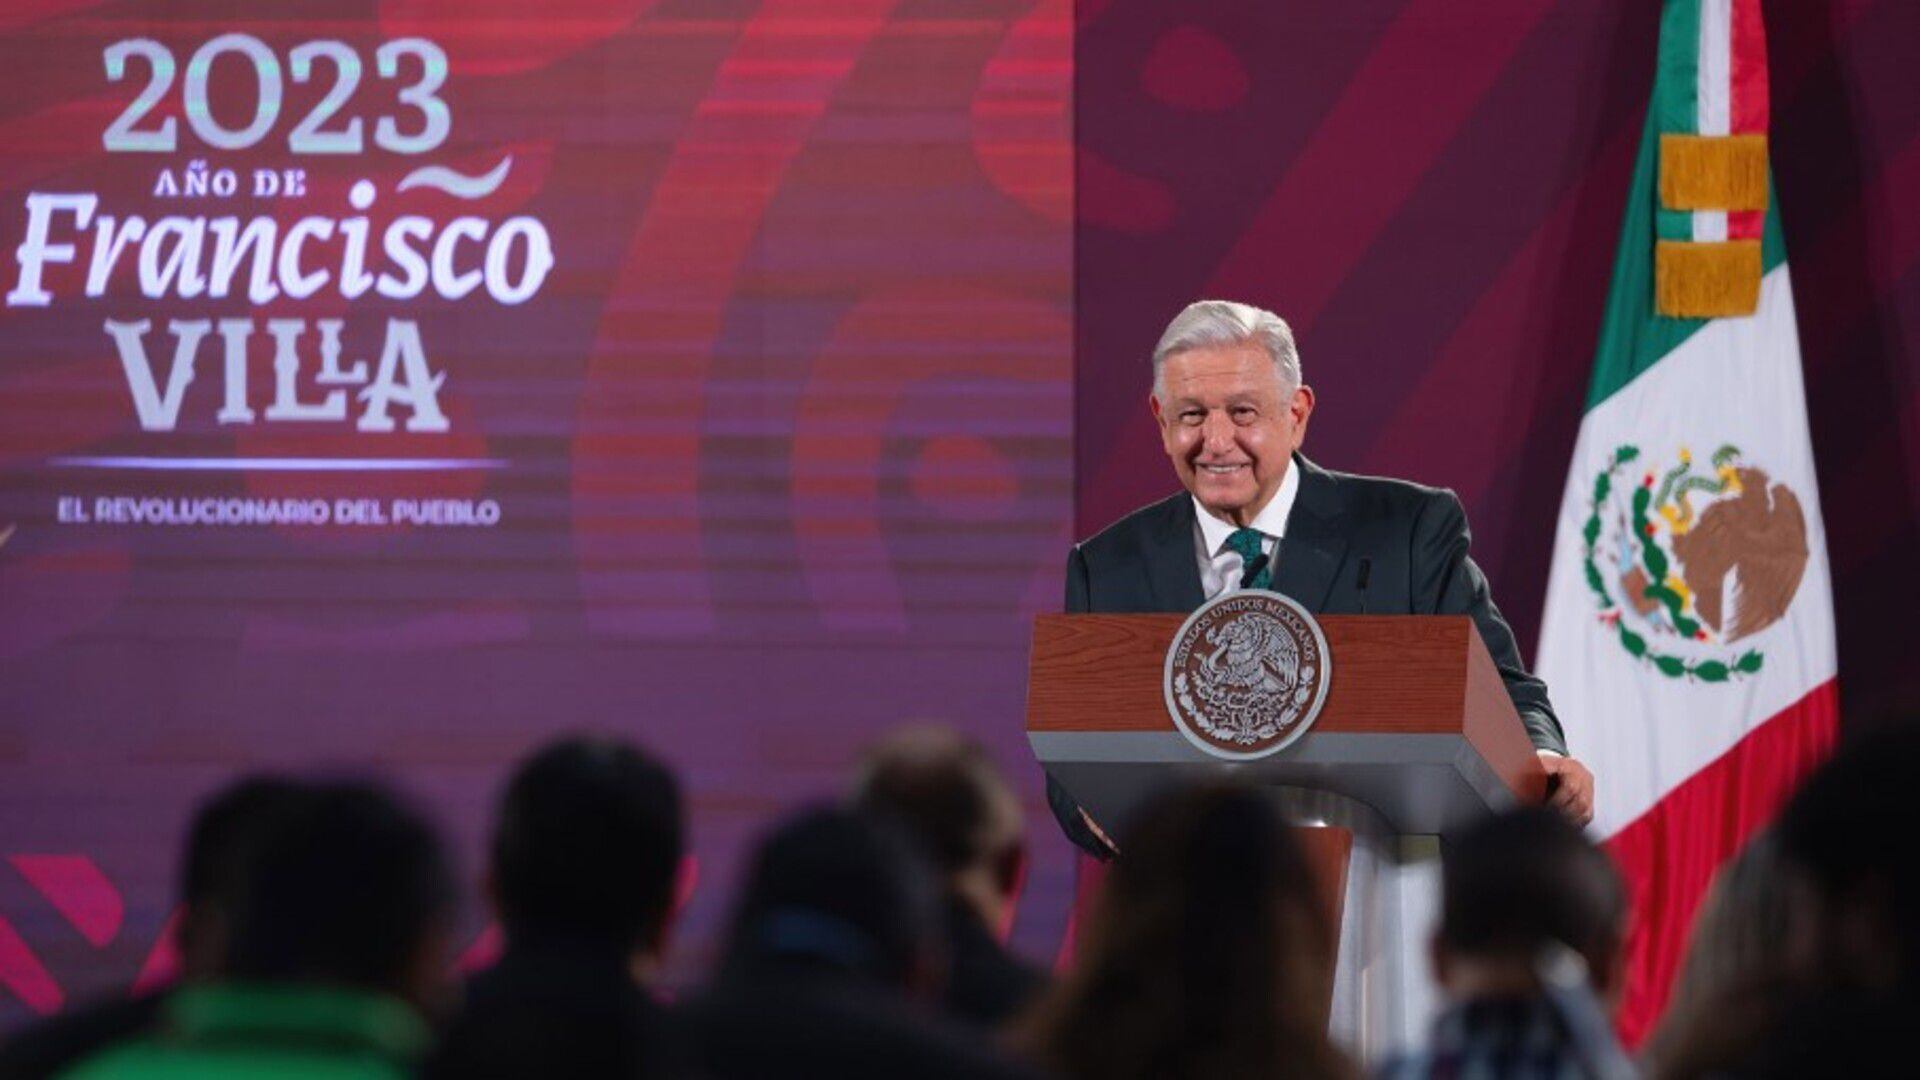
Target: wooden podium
1417, 738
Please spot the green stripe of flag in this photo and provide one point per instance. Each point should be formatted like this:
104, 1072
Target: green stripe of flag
1676, 85
1676, 97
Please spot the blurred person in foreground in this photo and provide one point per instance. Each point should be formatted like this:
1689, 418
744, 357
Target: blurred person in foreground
1849, 865
586, 852
1208, 954
335, 946
218, 838
945, 789
1528, 954
833, 965
1736, 963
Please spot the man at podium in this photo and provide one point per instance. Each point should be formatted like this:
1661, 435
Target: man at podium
1232, 412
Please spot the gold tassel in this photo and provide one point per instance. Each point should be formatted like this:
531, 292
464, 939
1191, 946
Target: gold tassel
1713, 172
1706, 280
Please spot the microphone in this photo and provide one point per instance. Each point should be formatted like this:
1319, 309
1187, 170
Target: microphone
1360, 581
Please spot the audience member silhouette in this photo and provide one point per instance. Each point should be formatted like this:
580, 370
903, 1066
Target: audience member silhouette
1208, 954
334, 943
1528, 950
1737, 965
218, 839
1847, 847
315, 915
1853, 832
833, 964
585, 855
945, 789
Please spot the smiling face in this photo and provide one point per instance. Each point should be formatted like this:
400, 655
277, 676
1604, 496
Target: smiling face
1230, 426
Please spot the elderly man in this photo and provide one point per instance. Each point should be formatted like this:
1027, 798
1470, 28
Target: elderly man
1233, 411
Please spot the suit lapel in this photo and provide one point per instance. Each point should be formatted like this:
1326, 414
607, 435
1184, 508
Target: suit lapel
1315, 544
1173, 570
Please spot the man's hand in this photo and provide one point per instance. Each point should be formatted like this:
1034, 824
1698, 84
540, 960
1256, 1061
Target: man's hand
1569, 787
1100, 834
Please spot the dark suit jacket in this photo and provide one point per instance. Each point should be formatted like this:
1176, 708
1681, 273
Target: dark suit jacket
794, 1019
1414, 538
986, 984
555, 1009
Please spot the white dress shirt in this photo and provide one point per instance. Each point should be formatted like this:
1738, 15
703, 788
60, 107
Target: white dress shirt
1221, 566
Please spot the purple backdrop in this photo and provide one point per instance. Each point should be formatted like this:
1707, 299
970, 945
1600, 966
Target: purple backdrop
779, 448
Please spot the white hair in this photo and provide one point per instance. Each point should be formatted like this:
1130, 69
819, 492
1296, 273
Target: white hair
1213, 324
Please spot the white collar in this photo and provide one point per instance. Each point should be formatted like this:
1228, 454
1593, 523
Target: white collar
1272, 519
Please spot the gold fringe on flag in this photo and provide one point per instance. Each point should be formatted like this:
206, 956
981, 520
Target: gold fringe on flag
1706, 280
1713, 172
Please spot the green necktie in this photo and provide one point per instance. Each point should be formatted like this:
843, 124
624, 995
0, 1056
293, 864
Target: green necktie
1247, 543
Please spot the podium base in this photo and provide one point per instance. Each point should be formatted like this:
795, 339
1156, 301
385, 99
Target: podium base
1383, 890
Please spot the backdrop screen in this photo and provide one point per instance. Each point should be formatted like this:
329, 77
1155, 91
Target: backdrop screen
392, 385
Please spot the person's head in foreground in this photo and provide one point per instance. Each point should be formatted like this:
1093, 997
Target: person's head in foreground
219, 842
1528, 953
1806, 958
1230, 404
349, 889
1208, 955
834, 965
951, 798
947, 792
586, 853
222, 837
334, 941
1851, 838
587, 850
838, 893
1737, 960
1516, 888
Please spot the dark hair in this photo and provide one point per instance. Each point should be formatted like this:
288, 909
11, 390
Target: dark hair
225, 830
1736, 969
344, 885
1829, 903
1851, 832
946, 791
839, 889
1514, 883
222, 829
1208, 954
588, 843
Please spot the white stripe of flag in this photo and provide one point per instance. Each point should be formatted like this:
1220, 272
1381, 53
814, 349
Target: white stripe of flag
1713, 89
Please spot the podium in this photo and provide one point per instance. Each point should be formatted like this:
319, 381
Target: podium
1417, 738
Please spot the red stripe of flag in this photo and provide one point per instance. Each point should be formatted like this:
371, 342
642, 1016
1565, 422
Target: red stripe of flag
1749, 90
1670, 854
1749, 99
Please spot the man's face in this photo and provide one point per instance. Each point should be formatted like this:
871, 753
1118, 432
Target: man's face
1229, 426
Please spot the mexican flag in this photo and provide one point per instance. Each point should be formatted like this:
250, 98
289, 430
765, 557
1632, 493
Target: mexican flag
1688, 636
